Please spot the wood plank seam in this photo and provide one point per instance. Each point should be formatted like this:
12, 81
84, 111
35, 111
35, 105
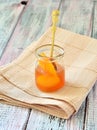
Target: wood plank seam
92, 17
25, 127
59, 4
85, 114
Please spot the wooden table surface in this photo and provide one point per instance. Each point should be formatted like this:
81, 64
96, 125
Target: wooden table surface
21, 23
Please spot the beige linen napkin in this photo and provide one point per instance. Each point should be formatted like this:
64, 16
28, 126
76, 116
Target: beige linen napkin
17, 79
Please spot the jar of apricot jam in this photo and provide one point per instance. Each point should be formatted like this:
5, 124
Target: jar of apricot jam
49, 71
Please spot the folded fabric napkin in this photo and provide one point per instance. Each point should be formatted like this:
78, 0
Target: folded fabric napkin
17, 79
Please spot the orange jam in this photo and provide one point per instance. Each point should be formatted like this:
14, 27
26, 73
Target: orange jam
49, 76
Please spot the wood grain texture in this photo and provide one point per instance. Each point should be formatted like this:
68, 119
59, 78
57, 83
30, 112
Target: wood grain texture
76, 16
10, 116
91, 105
94, 24
9, 15
91, 110
41, 121
13, 118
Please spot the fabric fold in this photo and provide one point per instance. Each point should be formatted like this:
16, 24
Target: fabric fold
17, 79
15, 96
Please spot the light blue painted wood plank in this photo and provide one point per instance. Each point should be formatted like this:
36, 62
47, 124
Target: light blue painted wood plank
41, 121
91, 111
94, 31
9, 15
10, 116
76, 16
13, 118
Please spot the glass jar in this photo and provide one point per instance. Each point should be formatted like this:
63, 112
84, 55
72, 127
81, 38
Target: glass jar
49, 71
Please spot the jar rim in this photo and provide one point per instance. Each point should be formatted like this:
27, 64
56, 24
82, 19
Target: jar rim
49, 45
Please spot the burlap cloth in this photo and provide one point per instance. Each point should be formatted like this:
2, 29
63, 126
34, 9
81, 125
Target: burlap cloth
17, 79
